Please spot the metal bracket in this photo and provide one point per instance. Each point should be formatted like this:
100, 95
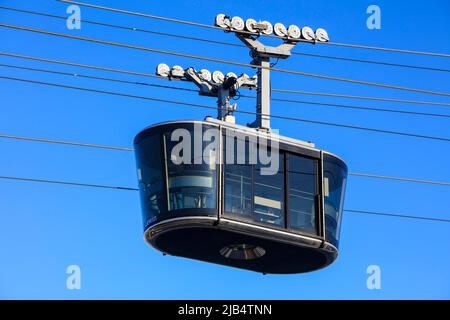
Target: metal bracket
282, 51
205, 87
223, 91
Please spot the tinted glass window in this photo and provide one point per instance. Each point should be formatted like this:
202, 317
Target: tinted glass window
169, 187
248, 192
238, 190
335, 176
302, 193
150, 174
192, 183
268, 196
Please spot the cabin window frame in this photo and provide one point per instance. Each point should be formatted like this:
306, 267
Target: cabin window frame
285, 149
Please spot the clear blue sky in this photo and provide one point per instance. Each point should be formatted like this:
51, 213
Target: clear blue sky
44, 228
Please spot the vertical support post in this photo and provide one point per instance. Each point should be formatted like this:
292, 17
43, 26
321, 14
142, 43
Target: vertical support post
263, 93
222, 102
261, 57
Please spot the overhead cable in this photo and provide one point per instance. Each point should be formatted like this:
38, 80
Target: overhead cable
180, 36
103, 186
195, 105
224, 61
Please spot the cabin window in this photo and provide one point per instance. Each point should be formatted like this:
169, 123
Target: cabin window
176, 178
253, 196
334, 180
268, 197
302, 193
249, 192
150, 176
192, 183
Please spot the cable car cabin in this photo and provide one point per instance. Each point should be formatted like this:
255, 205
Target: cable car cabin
237, 196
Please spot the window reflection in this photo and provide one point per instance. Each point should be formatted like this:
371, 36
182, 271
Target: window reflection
269, 196
167, 188
238, 190
334, 189
248, 194
150, 174
302, 193
191, 184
